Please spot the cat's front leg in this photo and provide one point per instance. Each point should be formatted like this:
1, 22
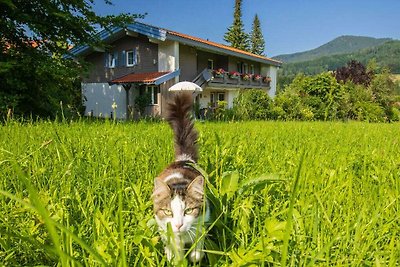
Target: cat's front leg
174, 250
197, 253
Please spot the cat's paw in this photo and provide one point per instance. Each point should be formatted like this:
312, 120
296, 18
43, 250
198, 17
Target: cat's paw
169, 254
196, 256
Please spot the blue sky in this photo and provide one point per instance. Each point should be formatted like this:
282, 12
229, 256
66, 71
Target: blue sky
288, 25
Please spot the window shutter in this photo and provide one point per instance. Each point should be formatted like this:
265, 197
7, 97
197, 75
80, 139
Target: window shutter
116, 58
135, 56
106, 58
123, 58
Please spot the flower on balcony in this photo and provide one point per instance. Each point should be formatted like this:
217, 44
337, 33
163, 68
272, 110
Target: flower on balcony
247, 76
257, 77
266, 79
234, 75
219, 73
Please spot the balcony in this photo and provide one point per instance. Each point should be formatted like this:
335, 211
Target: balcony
221, 78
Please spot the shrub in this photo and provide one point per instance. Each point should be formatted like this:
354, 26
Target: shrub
369, 111
287, 106
252, 105
320, 95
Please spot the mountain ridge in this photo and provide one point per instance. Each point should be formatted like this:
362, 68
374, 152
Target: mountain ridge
341, 45
385, 55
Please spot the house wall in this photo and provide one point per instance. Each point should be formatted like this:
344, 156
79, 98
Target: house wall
147, 59
165, 96
231, 96
205, 97
168, 56
272, 72
233, 61
219, 61
100, 98
187, 63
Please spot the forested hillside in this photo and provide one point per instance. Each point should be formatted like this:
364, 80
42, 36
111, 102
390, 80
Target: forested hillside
340, 45
386, 55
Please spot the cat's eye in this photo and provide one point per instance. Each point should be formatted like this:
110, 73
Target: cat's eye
167, 212
189, 211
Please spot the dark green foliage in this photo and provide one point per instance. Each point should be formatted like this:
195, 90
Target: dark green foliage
40, 86
34, 75
141, 102
256, 38
340, 45
236, 36
252, 105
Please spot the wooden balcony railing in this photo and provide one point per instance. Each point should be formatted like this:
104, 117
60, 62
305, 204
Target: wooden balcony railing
235, 79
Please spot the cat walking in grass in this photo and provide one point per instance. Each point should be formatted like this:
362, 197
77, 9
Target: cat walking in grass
180, 206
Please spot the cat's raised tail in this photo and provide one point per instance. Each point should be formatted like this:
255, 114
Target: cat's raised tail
185, 135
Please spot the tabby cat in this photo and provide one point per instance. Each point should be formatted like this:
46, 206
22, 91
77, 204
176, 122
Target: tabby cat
179, 199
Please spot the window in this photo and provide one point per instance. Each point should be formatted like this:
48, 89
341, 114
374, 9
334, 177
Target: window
111, 59
215, 97
239, 67
153, 92
210, 64
131, 58
212, 99
252, 69
245, 68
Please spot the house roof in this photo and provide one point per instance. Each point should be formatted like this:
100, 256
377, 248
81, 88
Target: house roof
222, 47
164, 34
145, 78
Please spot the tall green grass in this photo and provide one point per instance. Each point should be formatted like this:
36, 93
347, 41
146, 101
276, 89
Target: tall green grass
283, 193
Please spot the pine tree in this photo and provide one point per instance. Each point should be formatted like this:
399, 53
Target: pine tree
235, 35
257, 40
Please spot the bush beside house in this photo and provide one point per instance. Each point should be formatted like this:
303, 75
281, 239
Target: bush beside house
323, 97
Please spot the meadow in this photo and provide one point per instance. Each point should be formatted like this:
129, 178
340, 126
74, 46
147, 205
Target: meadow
283, 193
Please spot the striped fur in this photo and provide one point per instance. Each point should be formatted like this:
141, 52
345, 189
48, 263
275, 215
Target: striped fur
178, 194
179, 112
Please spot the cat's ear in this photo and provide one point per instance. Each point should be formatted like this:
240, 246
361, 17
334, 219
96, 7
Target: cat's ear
196, 187
161, 189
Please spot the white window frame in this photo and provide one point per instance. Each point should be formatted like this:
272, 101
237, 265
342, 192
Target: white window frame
111, 60
134, 58
154, 92
214, 98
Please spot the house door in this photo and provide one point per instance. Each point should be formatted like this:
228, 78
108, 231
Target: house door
215, 97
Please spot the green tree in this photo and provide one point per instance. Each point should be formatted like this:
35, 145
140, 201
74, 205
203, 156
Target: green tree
35, 76
256, 38
236, 36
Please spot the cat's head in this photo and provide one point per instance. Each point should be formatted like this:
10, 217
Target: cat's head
179, 204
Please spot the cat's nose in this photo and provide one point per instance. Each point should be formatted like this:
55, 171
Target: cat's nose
178, 225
